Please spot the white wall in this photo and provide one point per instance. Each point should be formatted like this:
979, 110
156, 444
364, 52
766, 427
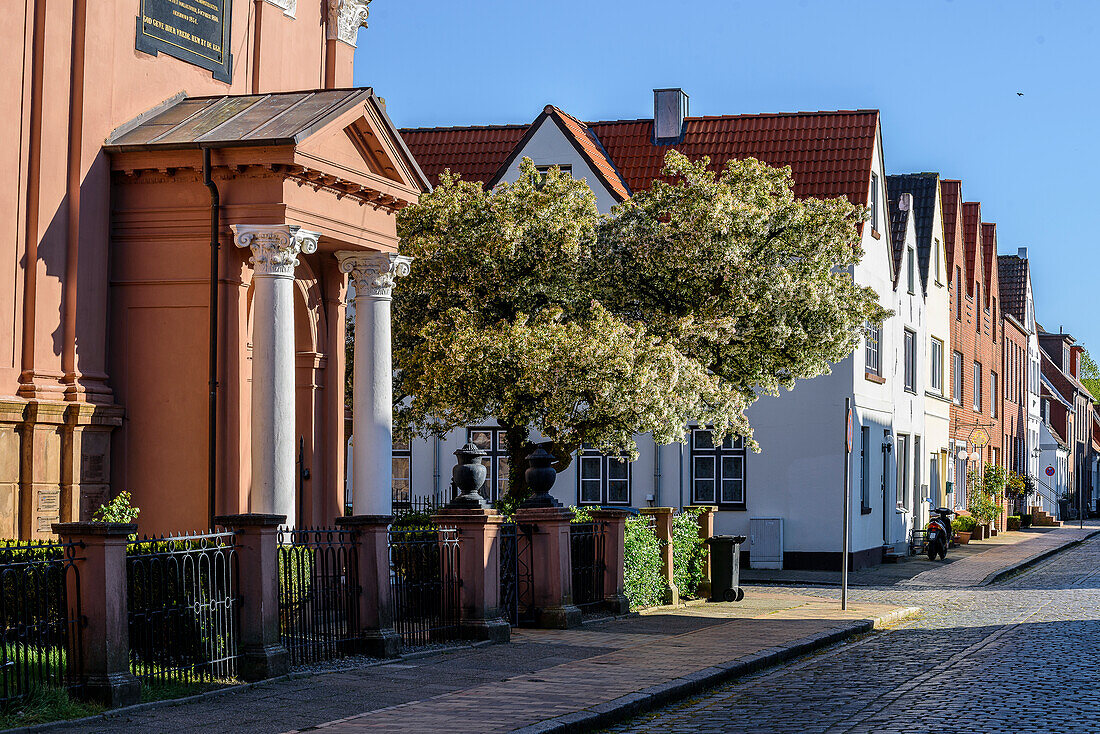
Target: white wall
549, 146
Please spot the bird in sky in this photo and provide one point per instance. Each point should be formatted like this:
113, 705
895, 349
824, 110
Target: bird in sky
1019, 94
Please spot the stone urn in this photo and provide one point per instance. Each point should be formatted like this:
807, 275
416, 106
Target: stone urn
540, 476
467, 477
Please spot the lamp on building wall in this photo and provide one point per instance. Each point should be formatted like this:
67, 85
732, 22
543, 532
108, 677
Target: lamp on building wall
888, 442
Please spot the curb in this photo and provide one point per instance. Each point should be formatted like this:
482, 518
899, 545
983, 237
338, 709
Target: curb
648, 699
1004, 573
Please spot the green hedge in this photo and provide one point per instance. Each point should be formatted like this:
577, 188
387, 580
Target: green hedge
689, 551
642, 561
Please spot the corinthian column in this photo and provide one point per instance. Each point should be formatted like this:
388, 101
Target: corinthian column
275, 249
373, 275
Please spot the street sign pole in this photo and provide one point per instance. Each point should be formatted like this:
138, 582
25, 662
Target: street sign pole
847, 504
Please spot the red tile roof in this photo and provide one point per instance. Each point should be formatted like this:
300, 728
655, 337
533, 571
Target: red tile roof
951, 198
475, 152
972, 237
830, 153
989, 259
594, 152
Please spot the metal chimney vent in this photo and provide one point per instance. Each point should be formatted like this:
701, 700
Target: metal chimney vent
670, 108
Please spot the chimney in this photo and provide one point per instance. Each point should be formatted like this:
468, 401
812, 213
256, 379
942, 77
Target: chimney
905, 202
670, 107
1022, 253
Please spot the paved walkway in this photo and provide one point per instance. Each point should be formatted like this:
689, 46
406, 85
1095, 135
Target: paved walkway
1019, 656
540, 676
963, 567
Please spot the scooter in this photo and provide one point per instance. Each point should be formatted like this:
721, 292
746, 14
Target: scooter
940, 533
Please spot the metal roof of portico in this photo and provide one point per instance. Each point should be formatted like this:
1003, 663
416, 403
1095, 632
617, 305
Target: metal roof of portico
284, 118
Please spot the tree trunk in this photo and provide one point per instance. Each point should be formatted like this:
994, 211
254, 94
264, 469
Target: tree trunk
519, 448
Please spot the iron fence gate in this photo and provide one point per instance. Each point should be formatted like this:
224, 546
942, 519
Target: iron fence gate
586, 558
319, 593
424, 582
183, 601
41, 618
516, 574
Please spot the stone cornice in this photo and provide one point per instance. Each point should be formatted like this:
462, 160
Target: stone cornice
289, 7
344, 18
275, 247
315, 179
373, 273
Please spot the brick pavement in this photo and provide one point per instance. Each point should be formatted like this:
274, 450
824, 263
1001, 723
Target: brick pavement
1017, 656
540, 675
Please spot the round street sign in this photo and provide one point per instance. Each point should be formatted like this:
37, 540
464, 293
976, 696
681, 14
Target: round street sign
849, 430
1050, 471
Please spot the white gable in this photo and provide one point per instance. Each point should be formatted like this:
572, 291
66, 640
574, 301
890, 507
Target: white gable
549, 146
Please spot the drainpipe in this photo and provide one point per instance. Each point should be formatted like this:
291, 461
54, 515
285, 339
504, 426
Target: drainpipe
436, 470
657, 472
212, 428
682, 473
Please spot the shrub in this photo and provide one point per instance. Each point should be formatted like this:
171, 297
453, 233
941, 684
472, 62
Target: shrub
642, 561
118, 509
963, 524
1025, 520
1013, 522
689, 551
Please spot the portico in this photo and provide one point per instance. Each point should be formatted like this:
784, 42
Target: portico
310, 184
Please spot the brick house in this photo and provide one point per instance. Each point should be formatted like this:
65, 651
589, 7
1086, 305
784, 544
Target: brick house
1061, 360
975, 356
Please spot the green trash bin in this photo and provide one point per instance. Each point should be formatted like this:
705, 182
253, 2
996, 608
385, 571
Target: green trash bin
725, 567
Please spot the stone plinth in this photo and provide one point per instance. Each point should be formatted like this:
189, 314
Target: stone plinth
552, 595
377, 635
662, 526
479, 570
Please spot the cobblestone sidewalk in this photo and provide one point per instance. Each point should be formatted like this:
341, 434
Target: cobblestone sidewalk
542, 675
1000, 561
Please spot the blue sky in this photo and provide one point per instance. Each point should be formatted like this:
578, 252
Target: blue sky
944, 74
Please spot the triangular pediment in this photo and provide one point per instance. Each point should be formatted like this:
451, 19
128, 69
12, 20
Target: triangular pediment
361, 144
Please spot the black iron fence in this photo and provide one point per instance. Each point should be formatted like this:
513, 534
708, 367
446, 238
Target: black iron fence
424, 581
586, 558
424, 506
183, 599
516, 574
40, 613
319, 593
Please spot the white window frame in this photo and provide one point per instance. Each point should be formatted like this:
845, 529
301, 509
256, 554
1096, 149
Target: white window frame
723, 475
958, 381
605, 465
936, 375
495, 460
909, 356
992, 394
977, 386
872, 354
401, 454
911, 266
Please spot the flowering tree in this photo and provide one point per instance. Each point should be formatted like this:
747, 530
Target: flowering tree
526, 305
740, 274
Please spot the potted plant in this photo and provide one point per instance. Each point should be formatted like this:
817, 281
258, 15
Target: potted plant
963, 526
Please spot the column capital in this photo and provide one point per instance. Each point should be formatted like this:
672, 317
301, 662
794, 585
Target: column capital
344, 18
373, 273
275, 247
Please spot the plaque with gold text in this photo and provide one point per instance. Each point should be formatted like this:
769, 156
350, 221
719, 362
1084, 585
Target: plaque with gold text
195, 31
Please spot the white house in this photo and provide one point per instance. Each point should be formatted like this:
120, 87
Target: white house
797, 478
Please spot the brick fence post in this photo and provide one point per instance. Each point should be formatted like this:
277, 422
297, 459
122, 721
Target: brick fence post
613, 523
262, 654
479, 570
662, 519
101, 580
706, 531
376, 631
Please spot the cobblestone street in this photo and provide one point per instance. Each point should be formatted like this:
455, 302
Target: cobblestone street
1019, 656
